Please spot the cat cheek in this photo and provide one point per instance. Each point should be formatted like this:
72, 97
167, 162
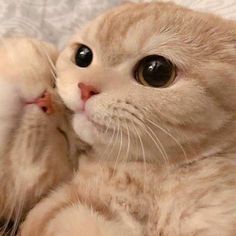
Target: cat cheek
84, 128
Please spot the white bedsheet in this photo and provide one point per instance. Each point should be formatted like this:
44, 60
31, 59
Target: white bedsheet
51, 20
56, 20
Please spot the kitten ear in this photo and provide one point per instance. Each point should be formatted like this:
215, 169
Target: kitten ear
226, 9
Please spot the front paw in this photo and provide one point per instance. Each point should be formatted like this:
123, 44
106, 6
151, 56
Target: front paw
76, 220
64, 214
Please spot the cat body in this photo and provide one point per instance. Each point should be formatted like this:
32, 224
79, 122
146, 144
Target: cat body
36, 146
162, 157
103, 201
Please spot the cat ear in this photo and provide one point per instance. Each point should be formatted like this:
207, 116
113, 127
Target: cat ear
226, 9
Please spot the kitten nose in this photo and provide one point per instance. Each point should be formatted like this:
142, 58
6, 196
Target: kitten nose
45, 102
87, 91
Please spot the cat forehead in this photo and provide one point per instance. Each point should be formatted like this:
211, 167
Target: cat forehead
164, 28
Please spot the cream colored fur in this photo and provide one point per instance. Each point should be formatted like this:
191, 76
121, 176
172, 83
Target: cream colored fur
34, 154
162, 160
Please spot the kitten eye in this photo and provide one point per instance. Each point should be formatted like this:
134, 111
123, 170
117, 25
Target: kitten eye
83, 56
155, 71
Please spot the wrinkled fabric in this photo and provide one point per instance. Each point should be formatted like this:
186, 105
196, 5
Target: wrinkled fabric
50, 20
57, 20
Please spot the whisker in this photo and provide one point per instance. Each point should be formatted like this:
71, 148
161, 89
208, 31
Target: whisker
48, 58
171, 136
157, 142
120, 147
143, 155
15, 213
104, 153
160, 143
114, 141
10, 215
19, 209
53, 75
136, 142
17, 220
107, 126
128, 142
44, 51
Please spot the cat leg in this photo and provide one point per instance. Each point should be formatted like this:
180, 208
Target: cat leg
76, 220
66, 213
81, 220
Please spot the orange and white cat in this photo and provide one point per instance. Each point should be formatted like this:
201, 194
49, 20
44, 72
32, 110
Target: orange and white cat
153, 90
36, 147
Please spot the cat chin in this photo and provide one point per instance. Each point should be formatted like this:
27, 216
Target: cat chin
84, 128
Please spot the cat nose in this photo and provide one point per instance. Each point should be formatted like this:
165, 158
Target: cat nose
45, 102
87, 91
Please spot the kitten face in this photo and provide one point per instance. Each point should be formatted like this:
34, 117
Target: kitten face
189, 115
25, 78
36, 147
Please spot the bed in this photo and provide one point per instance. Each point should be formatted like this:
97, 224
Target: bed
56, 20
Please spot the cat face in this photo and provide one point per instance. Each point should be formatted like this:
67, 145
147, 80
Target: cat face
36, 146
153, 82
26, 79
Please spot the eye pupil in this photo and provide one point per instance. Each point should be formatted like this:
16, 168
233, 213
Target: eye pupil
155, 71
83, 56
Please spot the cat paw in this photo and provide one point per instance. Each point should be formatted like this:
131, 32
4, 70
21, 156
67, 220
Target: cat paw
75, 219
79, 220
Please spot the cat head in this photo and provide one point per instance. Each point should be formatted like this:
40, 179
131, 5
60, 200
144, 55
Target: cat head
36, 141
152, 81
28, 85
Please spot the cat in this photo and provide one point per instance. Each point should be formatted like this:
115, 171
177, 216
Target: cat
152, 88
36, 141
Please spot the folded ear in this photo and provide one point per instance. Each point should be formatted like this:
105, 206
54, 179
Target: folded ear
226, 9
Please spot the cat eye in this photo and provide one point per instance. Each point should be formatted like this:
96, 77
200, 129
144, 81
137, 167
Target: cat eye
83, 56
155, 71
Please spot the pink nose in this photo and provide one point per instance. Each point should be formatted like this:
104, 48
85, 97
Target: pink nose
87, 91
45, 102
